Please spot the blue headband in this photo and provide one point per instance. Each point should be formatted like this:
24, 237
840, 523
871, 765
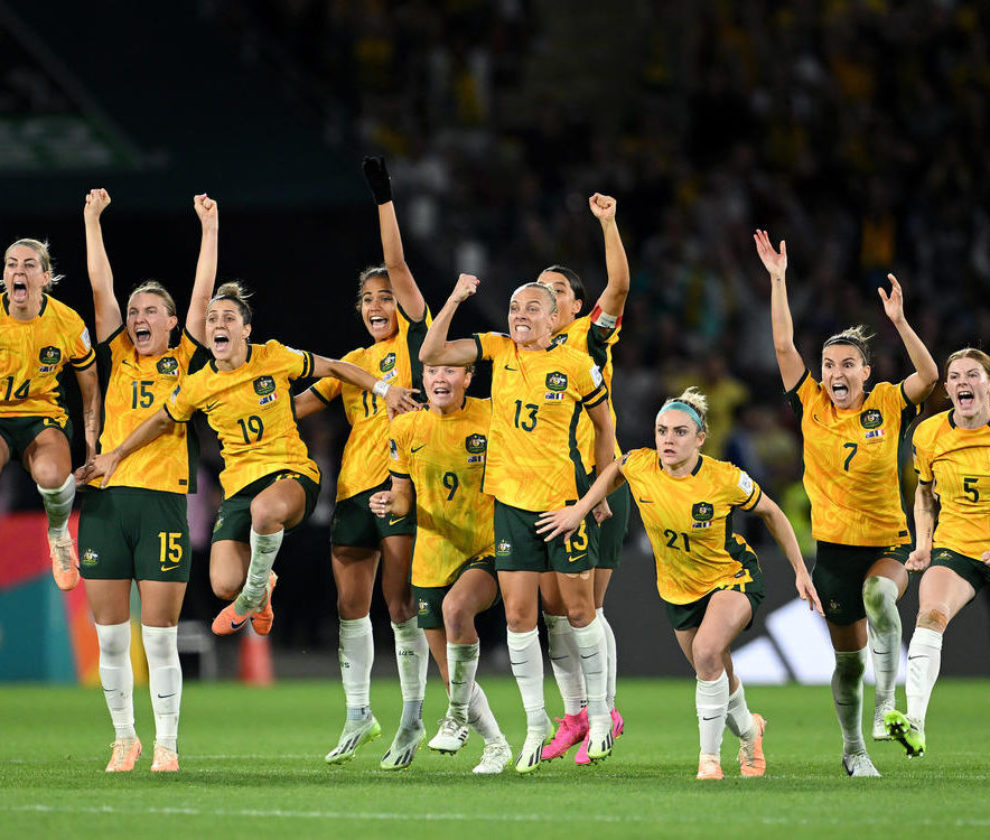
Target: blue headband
687, 409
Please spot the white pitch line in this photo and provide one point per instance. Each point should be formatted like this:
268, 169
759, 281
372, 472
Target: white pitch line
386, 816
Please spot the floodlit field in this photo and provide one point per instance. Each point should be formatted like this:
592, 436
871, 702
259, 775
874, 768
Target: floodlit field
252, 766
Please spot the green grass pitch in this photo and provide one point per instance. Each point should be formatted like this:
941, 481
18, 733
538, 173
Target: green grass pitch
252, 765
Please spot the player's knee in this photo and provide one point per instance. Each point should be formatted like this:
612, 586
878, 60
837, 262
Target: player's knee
879, 598
48, 474
850, 666
581, 615
456, 616
933, 618
265, 516
225, 585
707, 657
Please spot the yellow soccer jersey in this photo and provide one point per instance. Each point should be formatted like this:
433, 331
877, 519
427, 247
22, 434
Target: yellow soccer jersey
689, 523
250, 409
958, 462
134, 388
33, 354
582, 334
365, 461
444, 457
850, 463
538, 397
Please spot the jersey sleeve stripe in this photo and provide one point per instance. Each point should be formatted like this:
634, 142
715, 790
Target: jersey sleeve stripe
106, 341
792, 395
192, 338
596, 397
315, 392
398, 474
753, 500
171, 416
481, 350
307, 365
84, 361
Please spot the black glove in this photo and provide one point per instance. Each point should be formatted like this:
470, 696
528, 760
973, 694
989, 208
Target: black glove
376, 174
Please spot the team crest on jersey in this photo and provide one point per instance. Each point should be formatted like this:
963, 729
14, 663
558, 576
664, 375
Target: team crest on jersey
702, 514
387, 363
90, 557
943, 555
168, 366
557, 381
476, 443
219, 523
50, 355
49, 358
559, 339
393, 450
503, 549
264, 385
871, 418
424, 607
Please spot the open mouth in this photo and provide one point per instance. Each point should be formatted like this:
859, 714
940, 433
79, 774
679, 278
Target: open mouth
221, 342
19, 290
378, 322
840, 391
142, 335
966, 399
440, 390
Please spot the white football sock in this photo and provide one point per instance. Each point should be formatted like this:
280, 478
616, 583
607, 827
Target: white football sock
264, 548
711, 699
164, 680
462, 665
58, 506
591, 648
117, 676
610, 654
738, 717
526, 659
884, 621
480, 717
924, 662
565, 662
356, 654
412, 656
847, 692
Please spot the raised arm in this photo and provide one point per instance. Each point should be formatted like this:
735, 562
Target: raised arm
566, 520
404, 286
789, 360
919, 384
105, 463
398, 400
108, 318
89, 389
436, 349
613, 299
924, 528
206, 267
780, 528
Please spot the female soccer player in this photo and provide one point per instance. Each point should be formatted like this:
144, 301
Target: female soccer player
396, 317
270, 484
594, 334
851, 438
708, 577
136, 528
39, 336
438, 459
538, 392
952, 457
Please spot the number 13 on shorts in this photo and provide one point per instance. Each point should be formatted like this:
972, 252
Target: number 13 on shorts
577, 543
